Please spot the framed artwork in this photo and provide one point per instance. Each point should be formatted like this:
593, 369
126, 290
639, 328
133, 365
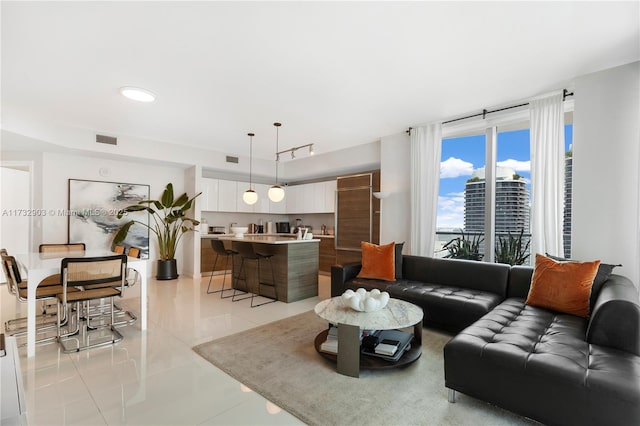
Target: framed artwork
93, 210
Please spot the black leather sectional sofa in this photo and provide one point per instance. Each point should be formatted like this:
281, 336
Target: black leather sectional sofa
555, 368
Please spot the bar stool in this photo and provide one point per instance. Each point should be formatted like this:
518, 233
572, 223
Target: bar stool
220, 250
247, 252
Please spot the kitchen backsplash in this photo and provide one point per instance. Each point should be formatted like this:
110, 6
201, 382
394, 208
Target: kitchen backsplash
315, 220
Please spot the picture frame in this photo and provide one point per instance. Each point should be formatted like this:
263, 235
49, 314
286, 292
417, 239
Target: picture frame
93, 210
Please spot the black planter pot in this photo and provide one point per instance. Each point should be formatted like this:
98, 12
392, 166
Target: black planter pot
167, 270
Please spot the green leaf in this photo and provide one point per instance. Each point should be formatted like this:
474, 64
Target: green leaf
180, 200
167, 196
122, 232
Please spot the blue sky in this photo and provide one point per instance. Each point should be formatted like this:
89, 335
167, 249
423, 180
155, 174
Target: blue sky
461, 156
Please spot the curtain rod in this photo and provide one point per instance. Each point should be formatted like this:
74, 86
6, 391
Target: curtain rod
565, 94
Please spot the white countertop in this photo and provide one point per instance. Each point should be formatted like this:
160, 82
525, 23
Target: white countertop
262, 235
267, 239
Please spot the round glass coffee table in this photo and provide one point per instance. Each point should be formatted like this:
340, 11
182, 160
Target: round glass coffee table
397, 314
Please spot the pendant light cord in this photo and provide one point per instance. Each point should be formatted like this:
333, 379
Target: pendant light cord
251, 135
277, 148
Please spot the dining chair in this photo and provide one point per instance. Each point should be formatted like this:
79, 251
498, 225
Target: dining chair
98, 278
61, 248
57, 249
133, 276
18, 288
134, 252
99, 309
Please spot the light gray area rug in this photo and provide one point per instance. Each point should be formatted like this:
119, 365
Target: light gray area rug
279, 362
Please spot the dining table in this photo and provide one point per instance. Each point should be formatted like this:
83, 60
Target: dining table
37, 266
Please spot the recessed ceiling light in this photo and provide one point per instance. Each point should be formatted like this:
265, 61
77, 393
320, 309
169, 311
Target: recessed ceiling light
137, 94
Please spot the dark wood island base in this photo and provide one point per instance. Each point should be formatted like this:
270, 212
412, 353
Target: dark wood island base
294, 262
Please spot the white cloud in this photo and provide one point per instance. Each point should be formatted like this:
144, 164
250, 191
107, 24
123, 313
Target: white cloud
451, 210
455, 167
517, 165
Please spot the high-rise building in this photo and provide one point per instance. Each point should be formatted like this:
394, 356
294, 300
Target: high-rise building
512, 202
568, 184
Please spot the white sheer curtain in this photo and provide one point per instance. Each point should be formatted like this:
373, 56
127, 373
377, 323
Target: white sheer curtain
547, 174
426, 145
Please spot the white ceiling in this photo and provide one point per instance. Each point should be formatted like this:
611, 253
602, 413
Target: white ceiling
337, 74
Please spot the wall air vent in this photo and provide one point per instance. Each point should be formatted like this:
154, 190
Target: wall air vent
109, 140
231, 159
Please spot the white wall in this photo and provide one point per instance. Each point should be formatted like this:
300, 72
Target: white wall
395, 211
355, 159
606, 158
14, 200
58, 168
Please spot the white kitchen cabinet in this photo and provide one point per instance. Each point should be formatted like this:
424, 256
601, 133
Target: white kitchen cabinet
318, 197
280, 207
318, 201
227, 196
309, 197
241, 205
294, 199
263, 204
209, 198
330, 188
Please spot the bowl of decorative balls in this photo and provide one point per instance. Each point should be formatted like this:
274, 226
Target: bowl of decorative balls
239, 230
365, 301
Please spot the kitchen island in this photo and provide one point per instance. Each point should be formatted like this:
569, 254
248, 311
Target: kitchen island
294, 262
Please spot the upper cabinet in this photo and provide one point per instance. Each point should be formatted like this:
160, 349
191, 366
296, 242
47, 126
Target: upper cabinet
209, 198
263, 203
318, 197
326, 196
226, 196
281, 207
240, 204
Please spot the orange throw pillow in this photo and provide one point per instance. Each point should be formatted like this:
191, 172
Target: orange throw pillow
562, 286
378, 262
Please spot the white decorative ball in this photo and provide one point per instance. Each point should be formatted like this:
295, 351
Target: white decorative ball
364, 301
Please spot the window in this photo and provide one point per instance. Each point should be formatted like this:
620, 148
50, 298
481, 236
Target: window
461, 201
461, 157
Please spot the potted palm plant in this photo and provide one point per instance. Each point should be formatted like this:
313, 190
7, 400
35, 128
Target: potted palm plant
464, 248
169, 223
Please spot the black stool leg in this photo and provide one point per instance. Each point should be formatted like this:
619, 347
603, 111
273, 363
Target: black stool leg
224, 278
226, 268
211, 277
238, 278
273, 283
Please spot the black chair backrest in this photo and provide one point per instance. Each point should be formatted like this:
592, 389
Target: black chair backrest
11, 269
14, 270
85, 271
218, 247
246, 250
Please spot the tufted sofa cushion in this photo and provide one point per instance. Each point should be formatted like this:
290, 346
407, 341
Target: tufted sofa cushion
446, 307
537, 363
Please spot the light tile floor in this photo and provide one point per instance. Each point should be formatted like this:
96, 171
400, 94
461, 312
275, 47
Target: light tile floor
153, 377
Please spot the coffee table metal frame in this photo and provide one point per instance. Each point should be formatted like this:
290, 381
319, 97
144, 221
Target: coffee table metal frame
396, 315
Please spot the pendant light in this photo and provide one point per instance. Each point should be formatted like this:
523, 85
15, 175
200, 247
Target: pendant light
250, 196
276, 193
